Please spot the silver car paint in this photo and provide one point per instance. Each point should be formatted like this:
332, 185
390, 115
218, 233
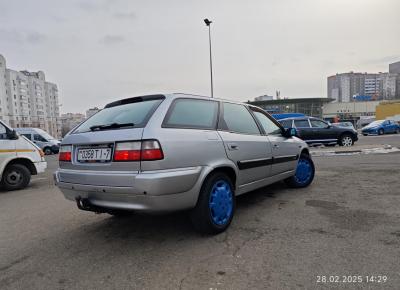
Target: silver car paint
173, 183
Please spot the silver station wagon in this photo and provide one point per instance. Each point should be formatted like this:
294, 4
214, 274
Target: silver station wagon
162, 153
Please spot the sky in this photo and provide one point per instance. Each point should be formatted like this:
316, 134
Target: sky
98, 51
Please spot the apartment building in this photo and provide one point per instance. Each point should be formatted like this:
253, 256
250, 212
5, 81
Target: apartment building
343, 87
28, 100
69, 121
90, 112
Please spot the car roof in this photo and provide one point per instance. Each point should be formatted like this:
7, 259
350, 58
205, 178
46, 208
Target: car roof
172, 96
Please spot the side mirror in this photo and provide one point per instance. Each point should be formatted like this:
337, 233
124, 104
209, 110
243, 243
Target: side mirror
290, 132
12, 135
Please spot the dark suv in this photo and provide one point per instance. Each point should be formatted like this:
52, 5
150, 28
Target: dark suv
315, 131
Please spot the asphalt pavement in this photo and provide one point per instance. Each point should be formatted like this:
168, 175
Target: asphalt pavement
347, 223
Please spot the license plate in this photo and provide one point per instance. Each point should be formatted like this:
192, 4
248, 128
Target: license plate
95, 154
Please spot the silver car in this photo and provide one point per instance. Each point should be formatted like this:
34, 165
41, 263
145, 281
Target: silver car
162, 153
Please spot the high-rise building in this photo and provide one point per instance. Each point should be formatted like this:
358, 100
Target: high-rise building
28, 100
346, 87
394, 68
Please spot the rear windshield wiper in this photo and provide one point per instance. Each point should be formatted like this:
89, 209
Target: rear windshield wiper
111, 126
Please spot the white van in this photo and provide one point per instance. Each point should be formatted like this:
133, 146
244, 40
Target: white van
19, 159
41, 138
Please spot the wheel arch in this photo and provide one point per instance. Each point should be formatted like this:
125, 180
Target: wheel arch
346, 133
24, 161
228, 170
305, 151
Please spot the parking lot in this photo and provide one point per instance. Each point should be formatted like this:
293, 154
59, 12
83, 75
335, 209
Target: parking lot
347, 223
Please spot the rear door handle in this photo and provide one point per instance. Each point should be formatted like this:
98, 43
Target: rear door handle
233, 146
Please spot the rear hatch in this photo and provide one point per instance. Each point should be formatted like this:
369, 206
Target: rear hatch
88, 153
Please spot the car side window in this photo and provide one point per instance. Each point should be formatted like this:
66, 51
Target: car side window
286, 123
192, 114
3, 132
29, 136
37, 137
301, 124
236, 118
318, 123
269, 126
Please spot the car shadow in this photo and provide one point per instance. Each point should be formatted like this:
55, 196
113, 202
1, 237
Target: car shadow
174, 225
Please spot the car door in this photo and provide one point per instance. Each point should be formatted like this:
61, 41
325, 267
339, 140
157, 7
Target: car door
304, 130
244, 143
284, 149
7, 147
322, 131
391, 126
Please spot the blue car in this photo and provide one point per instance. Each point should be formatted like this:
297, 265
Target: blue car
381, 127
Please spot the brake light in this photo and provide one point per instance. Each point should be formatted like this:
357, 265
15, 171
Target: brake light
127, 151
137, 151
65, 153
151, 150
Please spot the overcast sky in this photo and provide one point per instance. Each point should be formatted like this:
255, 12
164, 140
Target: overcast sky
97, 51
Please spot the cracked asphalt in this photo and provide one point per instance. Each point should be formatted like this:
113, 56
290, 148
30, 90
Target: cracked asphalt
346, 223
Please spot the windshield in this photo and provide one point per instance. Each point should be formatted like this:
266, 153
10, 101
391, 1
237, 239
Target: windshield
123, 116
46, 135
375, 123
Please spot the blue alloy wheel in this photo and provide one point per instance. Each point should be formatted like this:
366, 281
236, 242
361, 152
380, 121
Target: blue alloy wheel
221, 202
303, 172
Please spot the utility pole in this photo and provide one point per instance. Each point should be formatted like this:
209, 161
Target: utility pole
208, 23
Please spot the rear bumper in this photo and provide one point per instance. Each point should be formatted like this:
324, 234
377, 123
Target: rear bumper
154, 191
40, 166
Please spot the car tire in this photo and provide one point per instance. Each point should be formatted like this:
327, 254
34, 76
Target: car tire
15, 176
47, 151
215, 207
346, 140
365, 134
381, 132
304, 175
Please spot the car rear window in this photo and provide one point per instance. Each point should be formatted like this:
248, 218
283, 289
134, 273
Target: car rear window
136, 113
192, 114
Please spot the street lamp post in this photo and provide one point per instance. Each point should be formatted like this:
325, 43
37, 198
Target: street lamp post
208, 23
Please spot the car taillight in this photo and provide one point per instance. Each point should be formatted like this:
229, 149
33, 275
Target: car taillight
151, 150
136, 151
65, 153
127, 151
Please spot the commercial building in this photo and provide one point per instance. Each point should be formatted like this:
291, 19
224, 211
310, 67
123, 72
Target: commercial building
349, 111
388, 110
28, 100
308, 106
69, 121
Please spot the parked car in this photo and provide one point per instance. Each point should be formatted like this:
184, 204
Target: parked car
173, 152
381, 127
344, 124
315, 131
19, 159
45, 141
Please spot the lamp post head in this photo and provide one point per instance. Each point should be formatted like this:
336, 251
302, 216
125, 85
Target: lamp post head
207, 22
